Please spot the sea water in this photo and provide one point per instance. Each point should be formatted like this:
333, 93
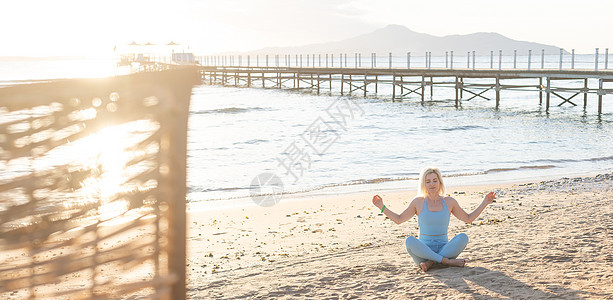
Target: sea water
237, 134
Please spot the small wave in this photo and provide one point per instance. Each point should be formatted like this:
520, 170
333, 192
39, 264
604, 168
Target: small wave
371, 181
466, 127
251, 142
228, 110
600, 158
198, 153
592, 159
539, 167
230, 189
464, 174
496, 170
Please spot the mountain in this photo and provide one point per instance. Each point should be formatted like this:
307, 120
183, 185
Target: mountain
399, 39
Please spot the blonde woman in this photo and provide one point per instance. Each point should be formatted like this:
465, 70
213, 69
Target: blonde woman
433, 211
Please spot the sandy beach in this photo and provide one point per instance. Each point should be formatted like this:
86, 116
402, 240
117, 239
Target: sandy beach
547, 239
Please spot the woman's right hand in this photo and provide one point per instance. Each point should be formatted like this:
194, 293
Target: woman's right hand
377, 201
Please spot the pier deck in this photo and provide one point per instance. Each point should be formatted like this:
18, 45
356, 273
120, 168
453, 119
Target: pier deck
407, 83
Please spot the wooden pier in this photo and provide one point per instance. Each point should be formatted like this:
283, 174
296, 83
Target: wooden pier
551, 85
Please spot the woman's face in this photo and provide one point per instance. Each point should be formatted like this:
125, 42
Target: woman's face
432, 184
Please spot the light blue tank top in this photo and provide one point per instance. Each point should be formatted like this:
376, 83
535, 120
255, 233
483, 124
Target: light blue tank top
433, 223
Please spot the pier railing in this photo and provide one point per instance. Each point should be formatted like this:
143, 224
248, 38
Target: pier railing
409, 76
418, 83
497, 60
92, 188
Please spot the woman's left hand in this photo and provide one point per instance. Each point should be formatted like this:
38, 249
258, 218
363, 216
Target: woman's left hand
489, 198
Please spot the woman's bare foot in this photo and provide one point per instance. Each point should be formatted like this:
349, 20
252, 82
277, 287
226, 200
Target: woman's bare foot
426, 265
454, 262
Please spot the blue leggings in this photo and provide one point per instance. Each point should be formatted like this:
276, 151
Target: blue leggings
435, 249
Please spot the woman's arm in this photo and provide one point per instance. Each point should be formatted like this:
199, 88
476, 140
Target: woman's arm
459, 213
406, 215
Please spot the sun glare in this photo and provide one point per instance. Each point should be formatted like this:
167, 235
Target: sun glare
107, 155
111, 158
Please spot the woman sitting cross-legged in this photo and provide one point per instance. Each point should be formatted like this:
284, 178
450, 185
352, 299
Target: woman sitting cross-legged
433, 211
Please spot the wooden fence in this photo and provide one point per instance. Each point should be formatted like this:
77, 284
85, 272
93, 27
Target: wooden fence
92, 187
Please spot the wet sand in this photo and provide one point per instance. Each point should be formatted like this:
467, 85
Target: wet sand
549, 239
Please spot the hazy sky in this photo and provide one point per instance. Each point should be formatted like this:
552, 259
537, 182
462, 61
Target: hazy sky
76, 27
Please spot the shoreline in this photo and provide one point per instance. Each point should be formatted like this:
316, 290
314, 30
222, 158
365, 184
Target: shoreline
408, 185
541, 238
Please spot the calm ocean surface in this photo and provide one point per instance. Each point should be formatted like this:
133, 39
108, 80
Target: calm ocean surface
236, 134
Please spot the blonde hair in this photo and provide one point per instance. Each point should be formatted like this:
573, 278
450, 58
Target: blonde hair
423, 191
